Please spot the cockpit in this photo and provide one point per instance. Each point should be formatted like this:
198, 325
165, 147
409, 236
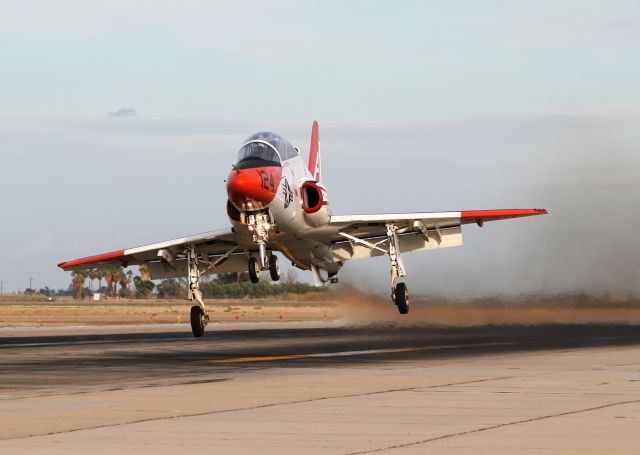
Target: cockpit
265, 149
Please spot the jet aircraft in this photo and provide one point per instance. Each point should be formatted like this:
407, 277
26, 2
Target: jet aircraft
276, 203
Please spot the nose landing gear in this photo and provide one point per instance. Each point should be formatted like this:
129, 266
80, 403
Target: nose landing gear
254, 268
259, 223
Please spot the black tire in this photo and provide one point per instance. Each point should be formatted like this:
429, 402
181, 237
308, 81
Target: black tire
274, 267
254, 270
402, 298
197, 321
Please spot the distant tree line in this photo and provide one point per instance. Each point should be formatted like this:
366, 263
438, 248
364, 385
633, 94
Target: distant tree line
118, 282
236, 286
125, 284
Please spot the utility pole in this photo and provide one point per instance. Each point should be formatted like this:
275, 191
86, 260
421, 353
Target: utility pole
1, 287
31, 282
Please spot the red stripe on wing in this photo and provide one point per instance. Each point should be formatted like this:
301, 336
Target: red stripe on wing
92, 259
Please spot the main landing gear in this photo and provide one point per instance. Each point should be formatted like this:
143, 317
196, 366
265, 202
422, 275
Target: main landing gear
399, 293
199, 316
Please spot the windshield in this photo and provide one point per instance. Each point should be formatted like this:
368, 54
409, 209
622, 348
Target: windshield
259, 151
267, 146
274, 139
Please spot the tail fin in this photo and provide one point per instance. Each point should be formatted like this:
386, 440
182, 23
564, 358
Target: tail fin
314, 152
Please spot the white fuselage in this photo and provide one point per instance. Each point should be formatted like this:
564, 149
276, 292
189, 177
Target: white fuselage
295, 206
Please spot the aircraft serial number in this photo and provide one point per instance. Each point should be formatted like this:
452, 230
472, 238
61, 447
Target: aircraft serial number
267, 180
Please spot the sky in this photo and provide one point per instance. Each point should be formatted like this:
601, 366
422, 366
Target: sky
119, 122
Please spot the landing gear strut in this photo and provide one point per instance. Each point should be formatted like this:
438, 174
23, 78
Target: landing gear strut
199, 316
399, 292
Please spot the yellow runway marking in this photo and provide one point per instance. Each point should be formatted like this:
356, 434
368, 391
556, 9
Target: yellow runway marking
345, 353
255, 359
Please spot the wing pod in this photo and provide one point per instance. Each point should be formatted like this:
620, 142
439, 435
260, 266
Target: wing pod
315, 204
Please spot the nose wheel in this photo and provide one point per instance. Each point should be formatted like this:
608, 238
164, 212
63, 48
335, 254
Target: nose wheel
401, 298
274, 267
254, 268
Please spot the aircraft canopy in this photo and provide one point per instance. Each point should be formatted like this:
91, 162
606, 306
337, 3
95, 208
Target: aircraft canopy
267, 146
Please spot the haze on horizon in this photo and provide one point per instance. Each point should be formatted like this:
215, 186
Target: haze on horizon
120, 122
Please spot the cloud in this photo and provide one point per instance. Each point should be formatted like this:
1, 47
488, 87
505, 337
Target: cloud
124, 112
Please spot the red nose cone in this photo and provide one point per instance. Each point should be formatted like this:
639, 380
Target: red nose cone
253, 188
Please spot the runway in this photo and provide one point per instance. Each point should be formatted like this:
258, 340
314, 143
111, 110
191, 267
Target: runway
321, 388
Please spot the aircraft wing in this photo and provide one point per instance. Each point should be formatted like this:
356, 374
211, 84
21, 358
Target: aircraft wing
167, 259
360, 236
431, 219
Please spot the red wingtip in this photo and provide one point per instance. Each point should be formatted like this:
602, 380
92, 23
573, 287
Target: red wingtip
501, 213
92, 259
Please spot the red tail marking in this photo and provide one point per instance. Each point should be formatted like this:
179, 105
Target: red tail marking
313, 152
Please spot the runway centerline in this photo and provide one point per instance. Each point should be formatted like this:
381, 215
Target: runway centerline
347, 353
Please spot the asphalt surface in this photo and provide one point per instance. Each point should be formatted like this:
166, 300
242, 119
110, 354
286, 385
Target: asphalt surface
320, 388
56, 363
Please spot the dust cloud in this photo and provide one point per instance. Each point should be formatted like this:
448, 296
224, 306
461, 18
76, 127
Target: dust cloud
359, 308
584, 169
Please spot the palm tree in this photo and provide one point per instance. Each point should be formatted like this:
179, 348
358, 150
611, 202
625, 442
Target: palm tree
108, 278
92, 276
117, 274
122, 280
77, 280
99, 276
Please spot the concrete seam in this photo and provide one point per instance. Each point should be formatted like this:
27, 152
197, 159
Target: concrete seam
250, 408
494, 427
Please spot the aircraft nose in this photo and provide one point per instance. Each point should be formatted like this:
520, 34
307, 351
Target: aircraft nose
254, 188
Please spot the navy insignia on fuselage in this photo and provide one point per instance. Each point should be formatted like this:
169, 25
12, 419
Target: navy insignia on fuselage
288, 194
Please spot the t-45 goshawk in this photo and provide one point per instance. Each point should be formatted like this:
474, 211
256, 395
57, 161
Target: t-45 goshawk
276, 203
